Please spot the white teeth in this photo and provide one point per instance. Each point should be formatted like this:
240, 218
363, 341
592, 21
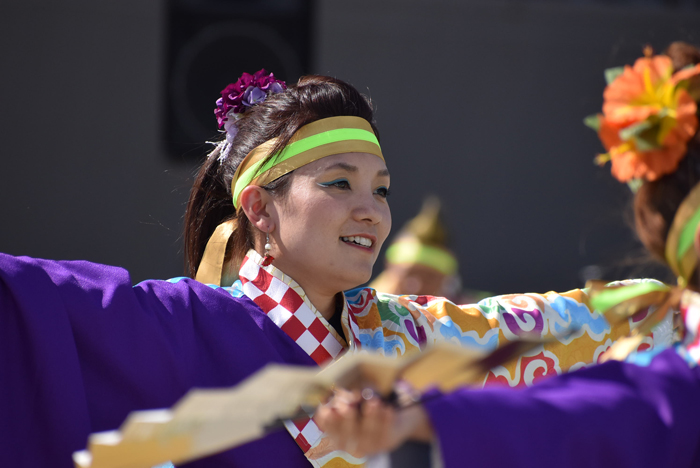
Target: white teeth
363, 241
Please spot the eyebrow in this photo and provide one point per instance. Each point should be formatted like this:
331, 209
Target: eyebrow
345, 166
350, 168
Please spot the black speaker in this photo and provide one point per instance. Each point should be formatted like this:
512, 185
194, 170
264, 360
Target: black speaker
210, 43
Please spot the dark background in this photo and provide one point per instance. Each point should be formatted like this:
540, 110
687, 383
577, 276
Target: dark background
479, 102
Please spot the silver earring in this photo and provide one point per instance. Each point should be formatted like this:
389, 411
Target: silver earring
268, 247
267, 257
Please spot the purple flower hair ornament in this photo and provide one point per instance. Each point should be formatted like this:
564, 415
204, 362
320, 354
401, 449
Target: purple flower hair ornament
237, 97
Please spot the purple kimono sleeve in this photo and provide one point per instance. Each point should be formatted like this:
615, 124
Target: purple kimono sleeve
611, 415
80, 348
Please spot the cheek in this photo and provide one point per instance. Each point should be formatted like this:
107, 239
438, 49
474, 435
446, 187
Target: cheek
318, 220
385, 225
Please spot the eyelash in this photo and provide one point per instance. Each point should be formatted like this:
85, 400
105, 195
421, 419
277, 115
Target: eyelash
338, 183
383, 192
343, 184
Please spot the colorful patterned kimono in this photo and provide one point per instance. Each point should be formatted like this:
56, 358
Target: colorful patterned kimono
641, 413
394, 325
80, 348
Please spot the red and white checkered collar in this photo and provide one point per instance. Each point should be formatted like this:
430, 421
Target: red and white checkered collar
286, 303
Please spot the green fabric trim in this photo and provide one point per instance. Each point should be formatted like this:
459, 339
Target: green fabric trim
331, 136
298, 147
389, 307
609, 298
414, 252
687, 236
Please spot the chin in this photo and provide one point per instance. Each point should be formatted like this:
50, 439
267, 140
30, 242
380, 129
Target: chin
355, 279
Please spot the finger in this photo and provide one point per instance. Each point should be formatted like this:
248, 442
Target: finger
368, 427
326, 419
348, 422
386, 428
343, 398
329, 417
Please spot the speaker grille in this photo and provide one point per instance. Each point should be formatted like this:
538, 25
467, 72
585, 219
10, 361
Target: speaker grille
209, 50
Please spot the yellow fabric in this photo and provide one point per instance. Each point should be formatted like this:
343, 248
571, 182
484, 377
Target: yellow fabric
211, 267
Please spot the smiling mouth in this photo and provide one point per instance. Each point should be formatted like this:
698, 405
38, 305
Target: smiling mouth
357, 240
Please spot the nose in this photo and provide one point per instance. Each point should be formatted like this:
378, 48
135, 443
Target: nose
370, 210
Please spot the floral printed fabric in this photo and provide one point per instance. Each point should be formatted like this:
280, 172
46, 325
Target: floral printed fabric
392, 325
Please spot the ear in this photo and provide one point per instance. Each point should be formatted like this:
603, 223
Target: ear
258, 207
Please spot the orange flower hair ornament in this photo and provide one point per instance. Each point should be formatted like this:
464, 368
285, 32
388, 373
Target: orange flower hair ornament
648, 117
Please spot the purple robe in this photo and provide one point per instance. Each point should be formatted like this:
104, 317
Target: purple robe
611, 415
80, 348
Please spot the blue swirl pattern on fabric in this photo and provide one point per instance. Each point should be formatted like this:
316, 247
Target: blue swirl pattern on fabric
577, 315
354, 296
488, 342
377, 342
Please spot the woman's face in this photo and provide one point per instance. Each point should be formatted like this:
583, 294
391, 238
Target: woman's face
332, 222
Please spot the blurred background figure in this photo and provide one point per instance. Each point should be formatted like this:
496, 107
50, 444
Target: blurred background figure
419, 262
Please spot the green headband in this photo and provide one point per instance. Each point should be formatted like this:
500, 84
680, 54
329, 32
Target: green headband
412, 252
325, 137
608, 298
680, 251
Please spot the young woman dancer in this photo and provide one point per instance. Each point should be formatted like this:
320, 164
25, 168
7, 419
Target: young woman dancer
288, 212
638, 413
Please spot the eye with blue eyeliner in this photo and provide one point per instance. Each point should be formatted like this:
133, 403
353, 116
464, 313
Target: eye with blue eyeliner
344, 184
383, 191
339, 183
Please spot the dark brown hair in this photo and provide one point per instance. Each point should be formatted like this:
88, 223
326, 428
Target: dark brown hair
281, 115
656, 203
